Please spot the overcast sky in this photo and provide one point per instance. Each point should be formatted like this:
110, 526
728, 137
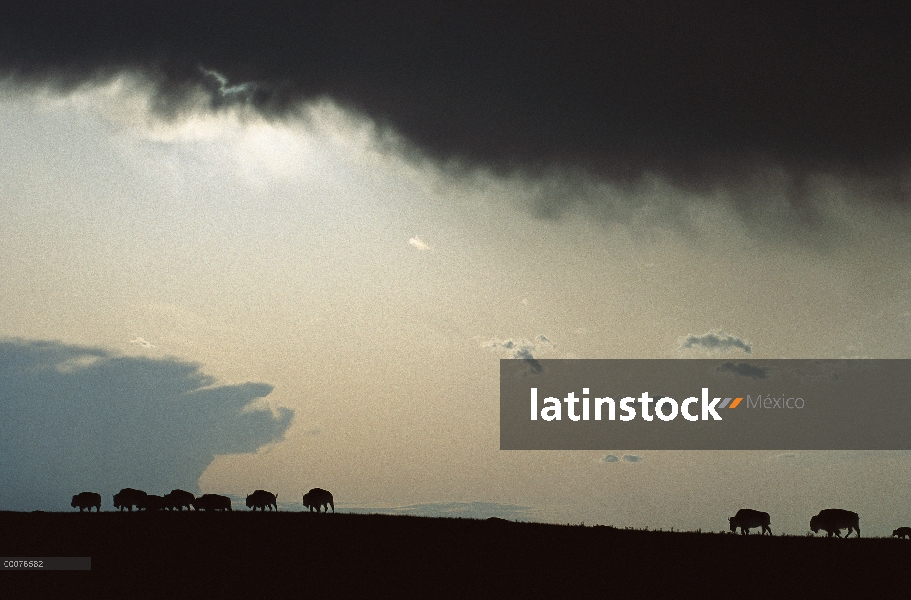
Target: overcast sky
286, 248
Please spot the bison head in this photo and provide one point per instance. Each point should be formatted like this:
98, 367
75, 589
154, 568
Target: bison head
73, 503
814, 524
733, 523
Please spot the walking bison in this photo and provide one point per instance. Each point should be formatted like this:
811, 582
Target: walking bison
212, 502
902, 532
318, 498
86, 500
833, 520
127, 498
261, 499
178, 500
152, 502
747, 518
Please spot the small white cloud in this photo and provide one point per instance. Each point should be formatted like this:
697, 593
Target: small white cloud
627, 458
141, 342
522, 349
418, 243
542, 340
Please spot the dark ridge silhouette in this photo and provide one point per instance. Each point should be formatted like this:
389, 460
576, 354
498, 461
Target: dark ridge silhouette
262, 499
316, 498
747, 518
212, 502
833, 520
369, 556
179, 499
87, 500
901, 532
78, 417
127, 498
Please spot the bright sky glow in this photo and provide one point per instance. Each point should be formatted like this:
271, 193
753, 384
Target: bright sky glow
376, 293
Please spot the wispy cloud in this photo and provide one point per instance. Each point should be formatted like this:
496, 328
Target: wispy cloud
715, 341
141, 342
418, 243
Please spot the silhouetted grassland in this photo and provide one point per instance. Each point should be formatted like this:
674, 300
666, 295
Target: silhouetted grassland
274, 554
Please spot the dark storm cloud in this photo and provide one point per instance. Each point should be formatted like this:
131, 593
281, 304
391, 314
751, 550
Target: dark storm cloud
80, 419
710, 95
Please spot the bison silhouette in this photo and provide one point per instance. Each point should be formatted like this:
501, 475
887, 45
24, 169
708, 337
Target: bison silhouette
179, 499
902, 532
833, 520
747, 518
152, 502
212, 502
128, 498
318, 498
261, 499
86, 500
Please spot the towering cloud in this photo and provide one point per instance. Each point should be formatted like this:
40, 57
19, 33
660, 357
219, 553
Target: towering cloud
709, 95
79, 418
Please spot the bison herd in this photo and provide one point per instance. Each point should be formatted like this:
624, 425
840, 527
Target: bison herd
830, 520
128, 498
